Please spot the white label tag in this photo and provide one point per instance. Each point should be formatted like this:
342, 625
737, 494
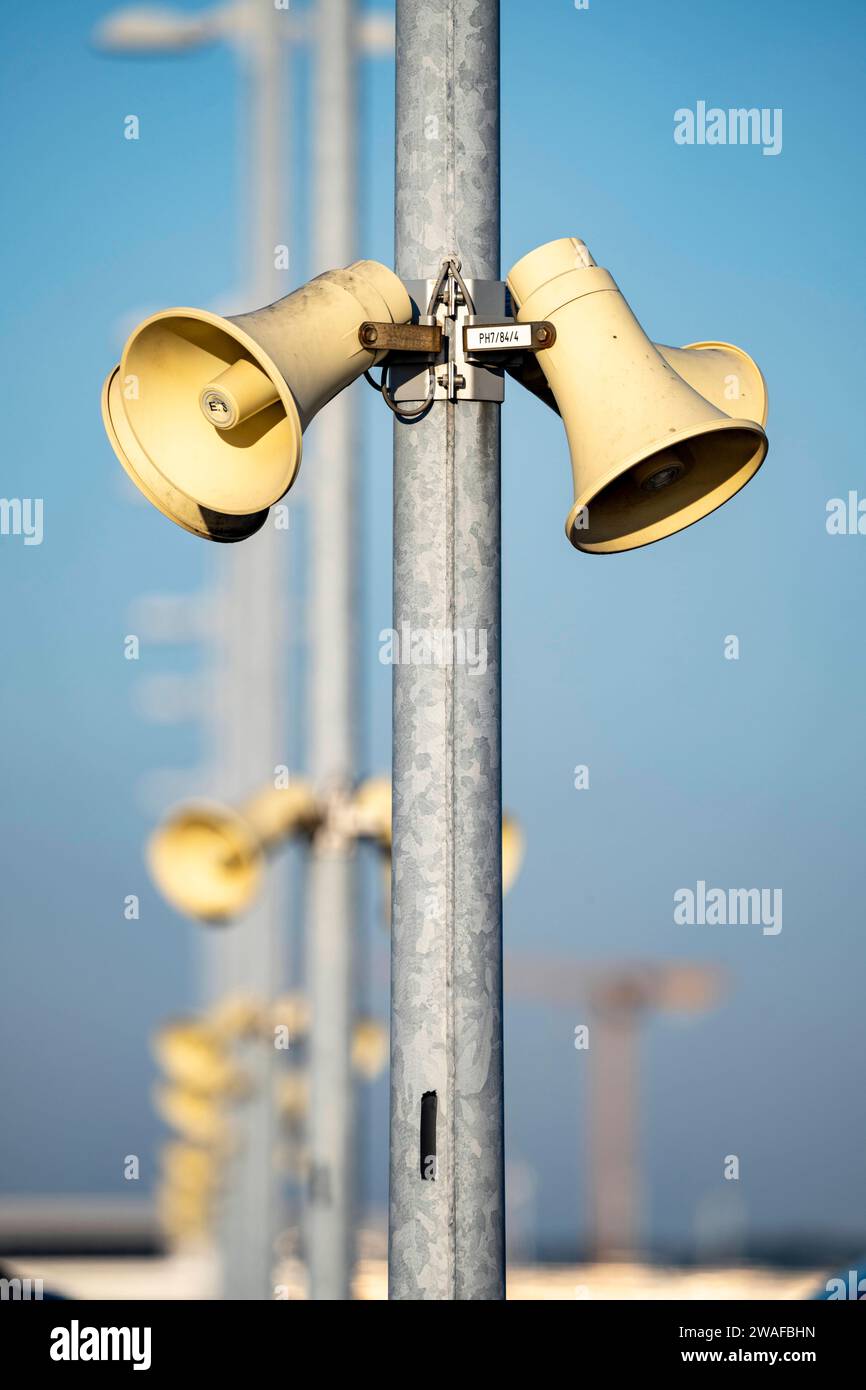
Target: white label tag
498, 337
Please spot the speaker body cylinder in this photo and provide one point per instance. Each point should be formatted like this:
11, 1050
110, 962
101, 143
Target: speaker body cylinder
217, 406
277, 812
312, 334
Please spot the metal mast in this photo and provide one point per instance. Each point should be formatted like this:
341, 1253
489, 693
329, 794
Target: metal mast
447, 1228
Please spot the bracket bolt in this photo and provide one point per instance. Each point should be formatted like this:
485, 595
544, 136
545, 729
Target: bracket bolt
542, 334
369, 334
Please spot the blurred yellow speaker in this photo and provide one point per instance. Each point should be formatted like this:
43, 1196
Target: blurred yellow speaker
512, 850
242, 1017
207, 860
659, 437
196, 1116
192, 1056
236, 1016
189, 1167
369, 1047
206, 413
371, 810
185, 1215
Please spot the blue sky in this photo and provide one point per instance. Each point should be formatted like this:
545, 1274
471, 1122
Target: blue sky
741, 773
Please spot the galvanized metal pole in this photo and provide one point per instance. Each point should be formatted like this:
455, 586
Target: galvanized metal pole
254, 605
447, 1216
332, 882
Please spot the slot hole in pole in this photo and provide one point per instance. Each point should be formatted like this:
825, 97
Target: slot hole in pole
428, 1136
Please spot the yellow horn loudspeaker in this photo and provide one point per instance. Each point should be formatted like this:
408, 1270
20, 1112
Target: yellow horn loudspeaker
659, 437
206, 414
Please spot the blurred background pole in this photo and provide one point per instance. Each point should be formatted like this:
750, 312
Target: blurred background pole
333, 695
446, 1238
249, 733
620, 999
252, 736
612, 1120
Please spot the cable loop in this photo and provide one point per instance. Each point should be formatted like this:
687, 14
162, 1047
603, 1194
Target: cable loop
419, 410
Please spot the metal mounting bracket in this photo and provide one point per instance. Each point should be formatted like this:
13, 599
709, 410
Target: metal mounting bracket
457, 377
458, 347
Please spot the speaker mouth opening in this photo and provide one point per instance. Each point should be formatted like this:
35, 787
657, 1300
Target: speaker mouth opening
198, 521
674, 486
212, 415
206, 863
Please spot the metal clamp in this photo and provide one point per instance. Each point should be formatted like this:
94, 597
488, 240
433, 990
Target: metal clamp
457, 348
